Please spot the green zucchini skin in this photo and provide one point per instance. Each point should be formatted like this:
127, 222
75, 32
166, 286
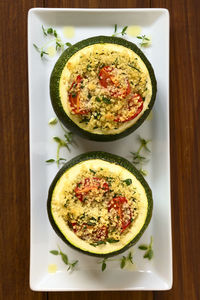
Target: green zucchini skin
112, 159
55, 79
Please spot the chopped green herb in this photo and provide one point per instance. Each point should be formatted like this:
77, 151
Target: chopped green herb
109, 240
98, 243
74, 95
68, 44
91, 224
128, 181
88, 67
85, 120
130, 65
92, 171
97, 114
98, 99
53, 121
106, 100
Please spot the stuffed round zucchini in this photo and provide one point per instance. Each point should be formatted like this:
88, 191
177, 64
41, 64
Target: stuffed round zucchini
103, 88
99, 203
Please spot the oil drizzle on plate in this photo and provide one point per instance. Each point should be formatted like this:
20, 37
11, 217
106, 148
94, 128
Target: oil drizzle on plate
52, 268
134, 30
51, 51
68, 32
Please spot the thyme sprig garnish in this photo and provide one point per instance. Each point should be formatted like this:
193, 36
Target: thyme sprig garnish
40, 50
68, 140
71, 265
138, 158
148, 248
122, 260
59, 44
145, 41
122, 32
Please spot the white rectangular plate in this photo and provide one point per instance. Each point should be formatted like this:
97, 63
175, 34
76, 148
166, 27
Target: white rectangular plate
144, 275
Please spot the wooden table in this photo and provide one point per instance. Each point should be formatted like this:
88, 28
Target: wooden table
185, 149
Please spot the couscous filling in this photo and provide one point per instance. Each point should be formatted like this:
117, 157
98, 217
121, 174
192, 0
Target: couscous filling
99, 206
106, 90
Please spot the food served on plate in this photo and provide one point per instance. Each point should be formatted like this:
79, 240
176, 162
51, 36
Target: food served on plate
99, 204
103, 88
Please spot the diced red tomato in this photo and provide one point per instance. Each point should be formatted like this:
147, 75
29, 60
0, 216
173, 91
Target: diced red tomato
117, 204
73, 225
131, 105
89, 184
105, 76
74, 99
77, 81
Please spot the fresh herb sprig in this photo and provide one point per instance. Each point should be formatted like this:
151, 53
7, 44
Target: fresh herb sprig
40, 50
63, 143
148, 248
138, 158
123, 261
122, 32
71, 265
59, 44
66, 142
144, 40
126, 259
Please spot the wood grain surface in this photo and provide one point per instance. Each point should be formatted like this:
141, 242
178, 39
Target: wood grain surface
185, 150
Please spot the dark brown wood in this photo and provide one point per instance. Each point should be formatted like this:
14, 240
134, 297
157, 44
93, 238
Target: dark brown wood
185, 149
101, 296
14, 178
185, 146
